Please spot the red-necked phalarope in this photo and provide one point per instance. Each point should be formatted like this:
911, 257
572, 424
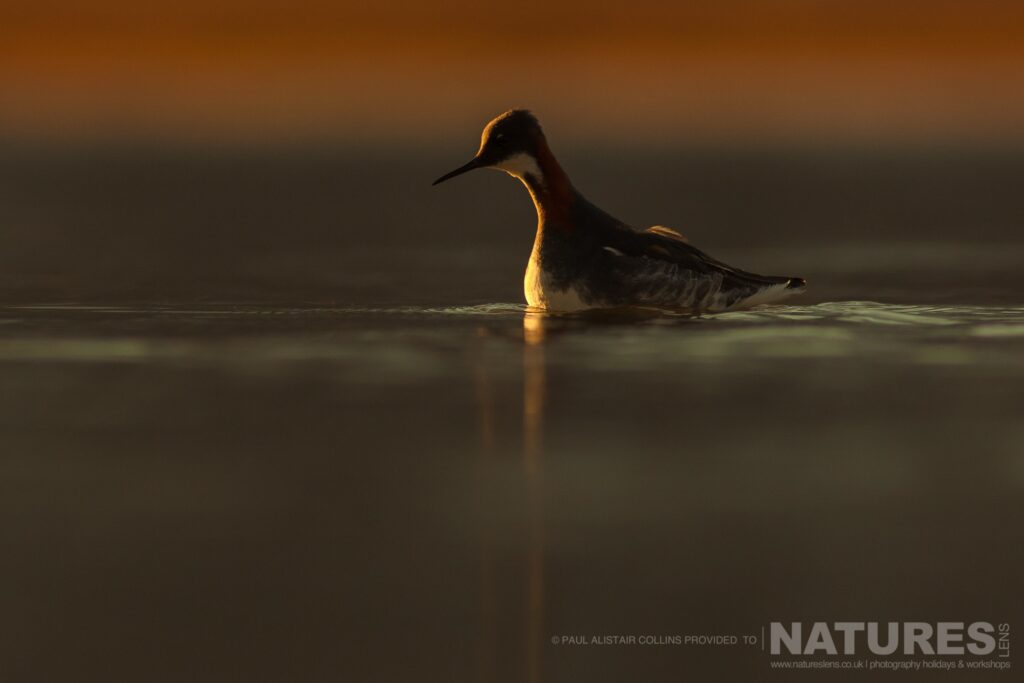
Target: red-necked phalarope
584, 258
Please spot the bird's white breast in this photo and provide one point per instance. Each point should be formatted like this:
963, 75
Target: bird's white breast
540, 292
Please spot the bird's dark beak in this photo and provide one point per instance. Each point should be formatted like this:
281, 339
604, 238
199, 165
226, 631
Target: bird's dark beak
474, 163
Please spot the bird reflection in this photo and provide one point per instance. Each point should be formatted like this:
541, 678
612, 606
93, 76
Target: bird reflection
539, 330
536, 329
534, 395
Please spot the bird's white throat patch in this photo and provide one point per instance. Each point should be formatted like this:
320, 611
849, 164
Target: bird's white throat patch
521, 165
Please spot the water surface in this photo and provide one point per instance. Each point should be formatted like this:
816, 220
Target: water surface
268, 493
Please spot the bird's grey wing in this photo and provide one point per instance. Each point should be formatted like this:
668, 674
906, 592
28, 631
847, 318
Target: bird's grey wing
659, 267
668, 245
621, 278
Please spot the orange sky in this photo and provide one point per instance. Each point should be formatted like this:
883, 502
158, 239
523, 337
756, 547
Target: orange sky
647, 69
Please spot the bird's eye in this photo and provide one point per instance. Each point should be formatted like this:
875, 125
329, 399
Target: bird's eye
500, 139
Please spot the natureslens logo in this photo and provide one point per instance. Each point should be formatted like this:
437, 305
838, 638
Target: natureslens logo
979, 638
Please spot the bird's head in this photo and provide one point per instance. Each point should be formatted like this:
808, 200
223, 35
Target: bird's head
509, 143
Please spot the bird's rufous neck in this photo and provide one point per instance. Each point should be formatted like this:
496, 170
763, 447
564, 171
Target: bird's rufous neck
552, 194
547, 183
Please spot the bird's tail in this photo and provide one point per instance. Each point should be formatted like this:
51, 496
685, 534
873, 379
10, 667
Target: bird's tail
798, 284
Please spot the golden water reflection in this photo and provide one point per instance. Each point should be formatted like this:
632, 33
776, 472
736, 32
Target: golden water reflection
534, 395
534, 391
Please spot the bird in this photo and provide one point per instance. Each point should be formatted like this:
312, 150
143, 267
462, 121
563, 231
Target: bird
583, 258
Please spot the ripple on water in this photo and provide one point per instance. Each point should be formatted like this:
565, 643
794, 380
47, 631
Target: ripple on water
995, 319
868, 312
945, 336
406, 336
1006, 330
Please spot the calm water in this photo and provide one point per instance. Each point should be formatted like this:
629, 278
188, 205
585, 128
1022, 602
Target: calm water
370, 470
239, 492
